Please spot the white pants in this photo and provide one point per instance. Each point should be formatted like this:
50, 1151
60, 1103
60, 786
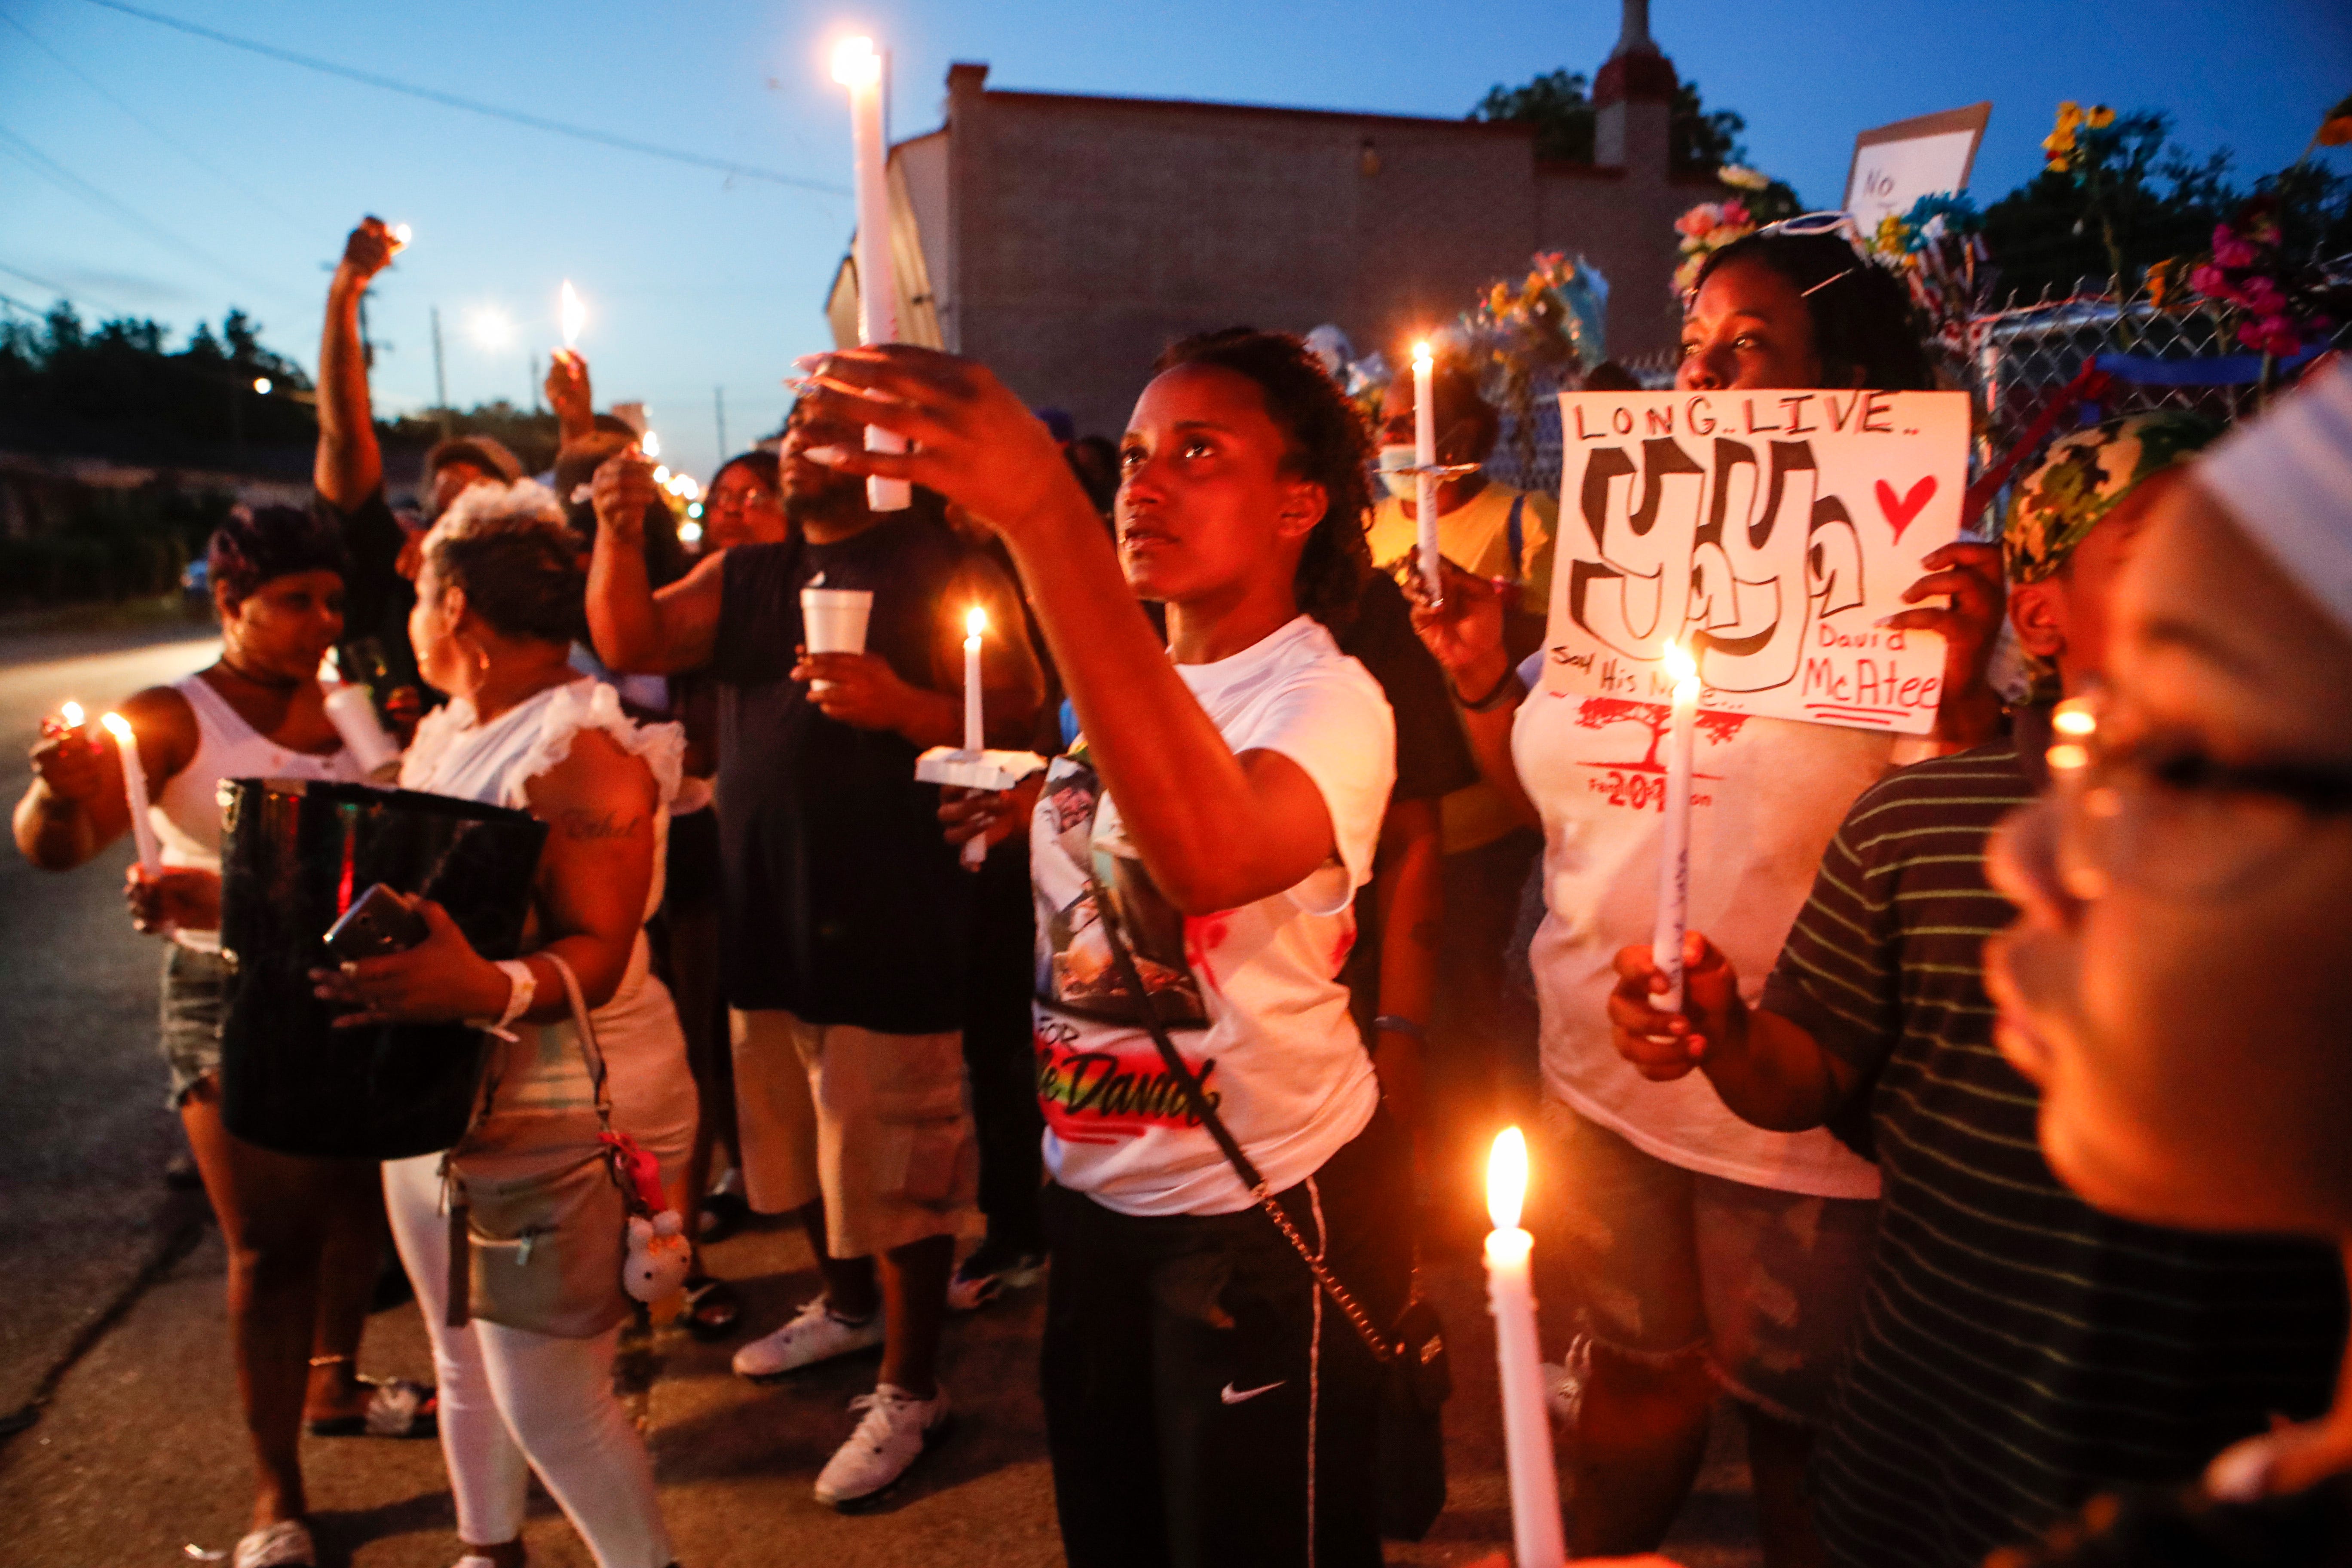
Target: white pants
513, 1401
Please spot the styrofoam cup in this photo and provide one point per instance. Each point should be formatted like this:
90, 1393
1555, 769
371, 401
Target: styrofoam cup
833, 620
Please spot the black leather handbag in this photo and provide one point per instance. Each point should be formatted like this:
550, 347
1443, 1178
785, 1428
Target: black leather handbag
1415, 1379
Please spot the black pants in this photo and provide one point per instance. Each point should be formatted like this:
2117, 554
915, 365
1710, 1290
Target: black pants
1204, 1404
1000, 1051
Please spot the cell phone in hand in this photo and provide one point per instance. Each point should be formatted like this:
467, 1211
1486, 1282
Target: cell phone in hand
376, 925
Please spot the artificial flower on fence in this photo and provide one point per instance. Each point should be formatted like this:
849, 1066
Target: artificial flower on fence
1937, 249
1533, 334
2281, 305
1706, 230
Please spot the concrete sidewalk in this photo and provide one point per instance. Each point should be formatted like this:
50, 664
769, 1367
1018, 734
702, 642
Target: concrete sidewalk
139, 1455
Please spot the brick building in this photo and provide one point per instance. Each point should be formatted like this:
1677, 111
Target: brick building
1064, 239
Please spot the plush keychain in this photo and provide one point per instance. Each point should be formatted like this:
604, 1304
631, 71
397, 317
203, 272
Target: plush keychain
658, 1257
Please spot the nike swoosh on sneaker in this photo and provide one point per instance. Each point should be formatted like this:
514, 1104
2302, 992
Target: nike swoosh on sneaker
1230, 1396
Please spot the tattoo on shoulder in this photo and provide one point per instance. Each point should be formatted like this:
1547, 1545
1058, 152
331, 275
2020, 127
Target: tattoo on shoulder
582, 824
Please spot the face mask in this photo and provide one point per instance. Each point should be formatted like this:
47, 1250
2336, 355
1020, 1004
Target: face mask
1394, 461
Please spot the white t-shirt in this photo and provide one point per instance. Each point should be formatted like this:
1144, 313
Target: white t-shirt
1768, 796
1251, 996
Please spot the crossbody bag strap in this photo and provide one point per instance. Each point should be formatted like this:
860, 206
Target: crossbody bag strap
584, 1029
1196, 1100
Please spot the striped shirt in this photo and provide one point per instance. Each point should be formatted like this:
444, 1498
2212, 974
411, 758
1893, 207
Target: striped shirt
2016, 1350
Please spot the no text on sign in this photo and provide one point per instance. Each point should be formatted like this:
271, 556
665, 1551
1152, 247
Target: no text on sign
1773, 529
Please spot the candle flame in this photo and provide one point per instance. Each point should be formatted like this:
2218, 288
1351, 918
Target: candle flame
1421, 357
2069, 719
72, 714
854, 63
118, 727
649, 443
576, 315
975, 622
400, 232
1506, 1178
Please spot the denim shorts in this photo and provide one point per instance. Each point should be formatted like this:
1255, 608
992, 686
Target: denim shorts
196, 1001
1763, 1285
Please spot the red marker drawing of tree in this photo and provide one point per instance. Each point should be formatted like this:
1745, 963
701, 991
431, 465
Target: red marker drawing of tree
1600, 712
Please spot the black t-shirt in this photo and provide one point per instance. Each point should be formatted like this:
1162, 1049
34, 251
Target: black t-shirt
843, 904
376, 598
1432, 759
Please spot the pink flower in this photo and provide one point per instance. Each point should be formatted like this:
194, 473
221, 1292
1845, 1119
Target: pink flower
1699, 219
2262, 296
2212, 282
2229, 250
2273, 335
1735, 213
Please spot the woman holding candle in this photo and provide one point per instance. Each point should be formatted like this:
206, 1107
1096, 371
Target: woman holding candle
1707, 1254
303, 1235
1204, 1401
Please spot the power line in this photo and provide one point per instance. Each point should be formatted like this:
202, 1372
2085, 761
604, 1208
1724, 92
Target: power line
73, 184
223, 175
472, 106
66, 294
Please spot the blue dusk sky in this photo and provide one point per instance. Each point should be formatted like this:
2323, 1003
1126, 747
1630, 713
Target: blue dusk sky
146, 171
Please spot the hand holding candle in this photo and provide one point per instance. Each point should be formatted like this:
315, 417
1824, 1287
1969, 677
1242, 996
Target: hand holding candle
858, 67
1537, 1537
134, 791
1425, 461
1673, 851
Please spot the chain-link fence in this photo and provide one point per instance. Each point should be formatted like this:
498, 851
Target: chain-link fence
2023, 357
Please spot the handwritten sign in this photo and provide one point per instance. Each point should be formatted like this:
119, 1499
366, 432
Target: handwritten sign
1895, 165
1773, 529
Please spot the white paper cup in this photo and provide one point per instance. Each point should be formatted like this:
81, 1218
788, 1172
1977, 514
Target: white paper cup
350, 709
833, 620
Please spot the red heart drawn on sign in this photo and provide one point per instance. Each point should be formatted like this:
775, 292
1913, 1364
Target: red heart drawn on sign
1899, 513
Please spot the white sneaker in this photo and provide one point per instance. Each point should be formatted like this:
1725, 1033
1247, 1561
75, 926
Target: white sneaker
815, 1335
898, 1428
286, 1544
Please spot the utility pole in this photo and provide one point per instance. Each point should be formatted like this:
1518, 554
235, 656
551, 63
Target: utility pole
718, 401
440, 383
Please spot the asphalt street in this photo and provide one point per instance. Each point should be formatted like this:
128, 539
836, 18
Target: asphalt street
134, 1453
81, 1086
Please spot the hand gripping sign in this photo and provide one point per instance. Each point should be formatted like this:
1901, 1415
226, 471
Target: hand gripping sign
1774, 530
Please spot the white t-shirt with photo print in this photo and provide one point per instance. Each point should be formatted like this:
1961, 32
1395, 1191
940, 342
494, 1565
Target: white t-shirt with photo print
1251, 996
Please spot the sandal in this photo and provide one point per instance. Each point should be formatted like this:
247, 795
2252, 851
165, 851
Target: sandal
712, 1308
396, 1408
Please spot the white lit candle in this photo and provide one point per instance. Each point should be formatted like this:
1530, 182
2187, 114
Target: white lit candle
73, 717
1674, 853
975, 739
1424, 457
857, 68
1536, 1536
134, 791
975, 624
574, 315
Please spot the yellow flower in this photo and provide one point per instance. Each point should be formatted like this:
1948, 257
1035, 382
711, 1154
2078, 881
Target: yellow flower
2100, 116
1890, 235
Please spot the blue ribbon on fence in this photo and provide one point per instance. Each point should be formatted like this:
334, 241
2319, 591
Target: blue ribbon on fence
2217, 370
